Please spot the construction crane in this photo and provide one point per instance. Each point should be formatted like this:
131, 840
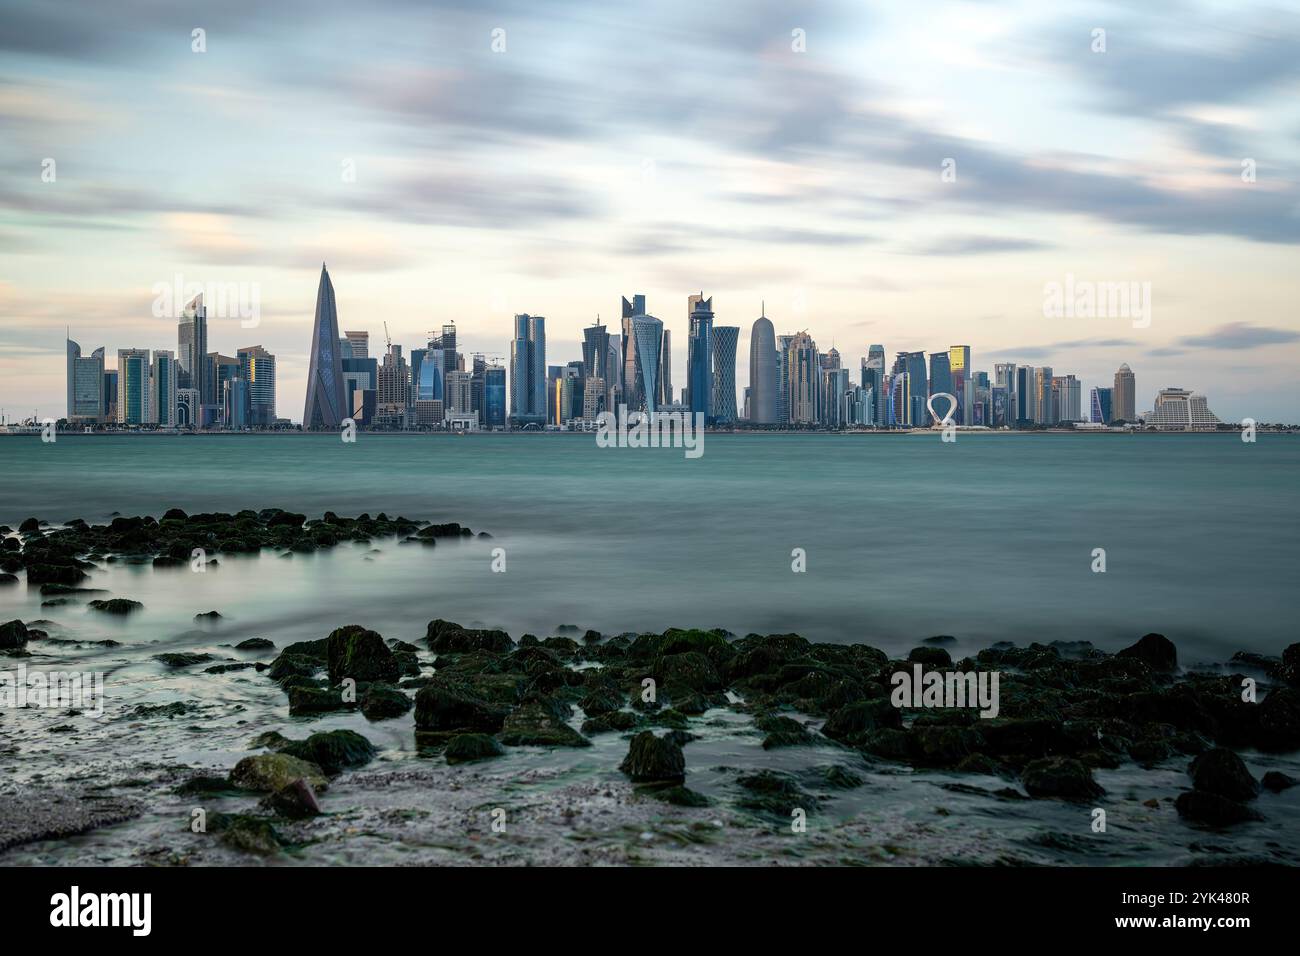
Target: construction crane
387, 339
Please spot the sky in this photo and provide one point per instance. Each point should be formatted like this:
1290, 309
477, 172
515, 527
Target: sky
914, 175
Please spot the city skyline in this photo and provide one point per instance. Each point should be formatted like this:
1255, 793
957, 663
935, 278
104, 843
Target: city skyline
813, 182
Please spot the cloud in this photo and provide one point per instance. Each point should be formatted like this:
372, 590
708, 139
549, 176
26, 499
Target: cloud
1239, 335
970, 245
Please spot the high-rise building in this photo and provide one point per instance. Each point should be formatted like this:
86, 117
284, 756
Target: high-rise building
360, 376
192, 350
447, 343
627, 351
1004, 377
723, 399
110, 394
666, 371
876, 362
763, 384
162, 388
1101, 406
595, 350
85, 384
803, 379
528, 371
959, 367
648, 337
1124, 397
494, 397
1068, 398
1178, 409
257, 369
699, 357
941, 382
394, 389
1024, 405
325, 406
359, 343
1044, 410
132, 386
459, 401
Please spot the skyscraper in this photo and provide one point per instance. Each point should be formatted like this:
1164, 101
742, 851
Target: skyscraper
941, 381
394, 393
494, 397
803, 379
360, 342
960, 368
1124, 397
132, 386
723, 399
648, 336
162, 388
257, 369
1044, 410
325, 400
627, 358
192, 349
528, 371
1101, 406
876, 363
85, 384
699, 357
762, 371
595, 350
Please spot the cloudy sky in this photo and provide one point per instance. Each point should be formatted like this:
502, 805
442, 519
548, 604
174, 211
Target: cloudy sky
786, 153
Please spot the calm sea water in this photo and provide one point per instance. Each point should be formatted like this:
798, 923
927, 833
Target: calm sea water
987, 538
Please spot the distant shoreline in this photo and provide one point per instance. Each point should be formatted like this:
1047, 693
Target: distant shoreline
35, 432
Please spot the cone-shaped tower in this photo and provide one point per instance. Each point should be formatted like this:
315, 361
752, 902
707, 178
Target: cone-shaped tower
325, 378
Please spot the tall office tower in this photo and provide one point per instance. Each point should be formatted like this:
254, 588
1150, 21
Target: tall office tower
360, 375
627, 352
360, 342
234, 403
614, 367
648, 337
918, 389
1124, 397
783, 378
478, 385
132, 386
85, 384
763, 383
571, 390
345, 348
224, 369
876, 361
803, 374
665, 371
1044, 413
394, 389
960, 368
459, 400
723, 399
110, 395
326, 406
595, 350
1100, 406
1068, 400
494, 397
187, 405
257, 369
941, 382
594, 396
699, 357
191, 349
1004, 377
836, 397
1023, 406
553, 394
416, 363
162, 388
447, 342
528, 371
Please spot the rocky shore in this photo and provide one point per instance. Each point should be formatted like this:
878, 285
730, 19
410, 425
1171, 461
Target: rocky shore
472, 698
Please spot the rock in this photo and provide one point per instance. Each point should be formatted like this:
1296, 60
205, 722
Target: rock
1279, 720
774, 793
54, 574
619, 720
381, 702
116, 606
652, 759
270, 772
332, 751
1156, 651
679, 796
295, 800
840, 778
30, 524
182, 660
444, 637
889, 743
534, 725
931, 656
446, 705
245, 833
255, 644
1290, 670
782, 732
1277, 781
7, 578
600, 701
360, 654
944, 745
466, 747
316, 700
1062, 777
1212, 809
1222, 772
853, 721
13, 634
208, 616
